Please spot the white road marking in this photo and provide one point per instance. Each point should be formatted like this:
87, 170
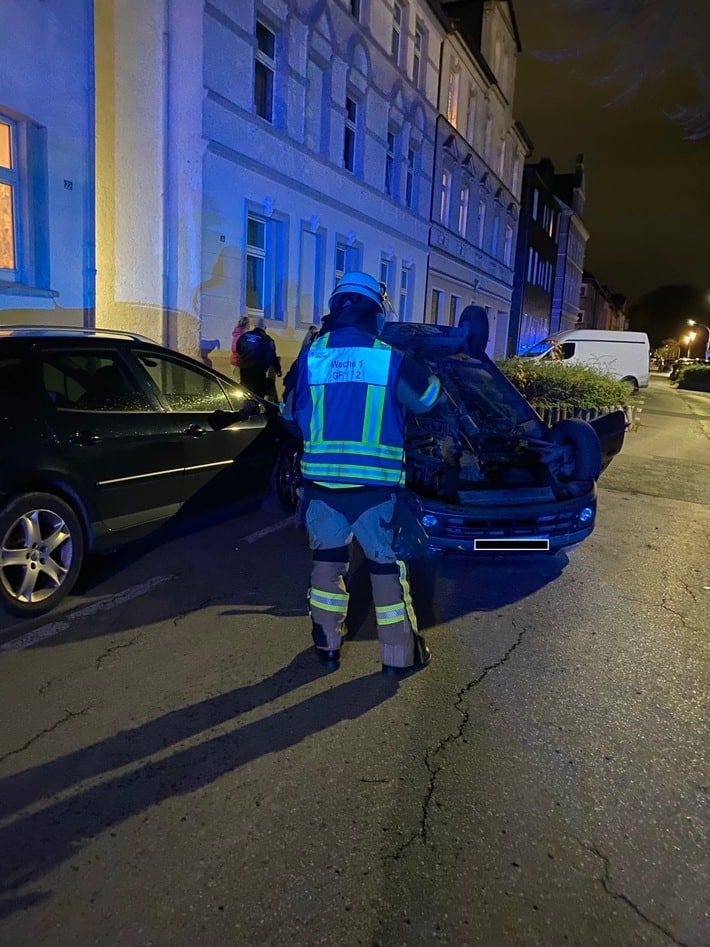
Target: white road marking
103, 605
282, 524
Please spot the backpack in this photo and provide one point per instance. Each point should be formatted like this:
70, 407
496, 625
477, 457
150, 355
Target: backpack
255, 350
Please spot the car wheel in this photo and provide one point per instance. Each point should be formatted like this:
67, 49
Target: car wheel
584, 461
286, 475
41, 553
631, 384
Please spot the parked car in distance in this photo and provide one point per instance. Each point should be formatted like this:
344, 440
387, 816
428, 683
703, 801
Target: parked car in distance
624, 356
490, 475
104, 436
680, 363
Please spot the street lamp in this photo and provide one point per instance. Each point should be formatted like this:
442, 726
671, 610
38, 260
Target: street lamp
693, 322
690, 337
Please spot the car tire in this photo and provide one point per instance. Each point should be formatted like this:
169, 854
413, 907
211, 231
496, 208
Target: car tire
286, 475
41, 553
576, 476
631, 384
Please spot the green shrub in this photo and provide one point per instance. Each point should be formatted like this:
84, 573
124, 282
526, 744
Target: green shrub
546, 383
694, 378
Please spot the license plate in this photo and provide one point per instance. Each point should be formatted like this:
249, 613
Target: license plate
516, 544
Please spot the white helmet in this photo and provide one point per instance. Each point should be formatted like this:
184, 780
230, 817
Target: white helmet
364, 285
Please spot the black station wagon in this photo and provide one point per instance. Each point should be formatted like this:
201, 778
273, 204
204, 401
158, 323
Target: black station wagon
103, 437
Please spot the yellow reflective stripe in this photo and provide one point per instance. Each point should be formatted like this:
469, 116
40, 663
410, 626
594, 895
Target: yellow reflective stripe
328, 601
319, 471
318, 399
389, 614
374, 412
408, 604
353, 447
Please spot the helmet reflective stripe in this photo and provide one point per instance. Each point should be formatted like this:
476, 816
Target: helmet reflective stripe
361, 283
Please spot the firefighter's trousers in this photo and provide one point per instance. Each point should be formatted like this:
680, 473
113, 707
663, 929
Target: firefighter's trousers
330, 535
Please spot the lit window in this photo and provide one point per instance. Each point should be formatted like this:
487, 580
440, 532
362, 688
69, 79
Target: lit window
350, 133
264, 68
397, 16
452, 99
8, 199
463, 211
435, 306
536, 197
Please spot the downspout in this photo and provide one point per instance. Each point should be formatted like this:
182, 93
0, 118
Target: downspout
89, 293
433, 181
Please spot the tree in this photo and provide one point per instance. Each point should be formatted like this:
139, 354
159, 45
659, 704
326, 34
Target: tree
664, 312
654, 38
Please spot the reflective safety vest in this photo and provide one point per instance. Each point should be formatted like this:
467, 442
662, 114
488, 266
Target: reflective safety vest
352, 423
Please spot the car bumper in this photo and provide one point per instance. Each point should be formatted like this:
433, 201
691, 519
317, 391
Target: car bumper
532, 522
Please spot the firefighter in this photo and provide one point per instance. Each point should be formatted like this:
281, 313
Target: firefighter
347, 394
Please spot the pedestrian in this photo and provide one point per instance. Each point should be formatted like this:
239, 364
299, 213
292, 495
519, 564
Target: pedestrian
240, 328
310, 335
259, 365
348, 397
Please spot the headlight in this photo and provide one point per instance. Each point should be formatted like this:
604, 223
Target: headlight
429, 521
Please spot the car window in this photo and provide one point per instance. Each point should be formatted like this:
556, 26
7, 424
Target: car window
90, 381
183, 387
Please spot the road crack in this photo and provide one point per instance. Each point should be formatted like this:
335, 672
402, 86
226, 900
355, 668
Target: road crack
433, 754
68, 716
620, 896
117, 647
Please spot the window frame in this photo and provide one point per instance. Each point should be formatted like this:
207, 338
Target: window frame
265, 65
10, 178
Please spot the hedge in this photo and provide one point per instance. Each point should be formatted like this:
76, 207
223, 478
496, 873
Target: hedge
694, 378
549, 383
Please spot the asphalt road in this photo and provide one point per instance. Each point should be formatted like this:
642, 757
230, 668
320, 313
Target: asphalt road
176, 770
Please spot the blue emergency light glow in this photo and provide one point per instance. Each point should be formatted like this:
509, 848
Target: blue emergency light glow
586, 514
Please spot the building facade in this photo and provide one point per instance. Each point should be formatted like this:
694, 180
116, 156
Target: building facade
186, 163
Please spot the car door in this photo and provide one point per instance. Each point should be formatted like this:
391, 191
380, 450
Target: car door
218, 421
119, 445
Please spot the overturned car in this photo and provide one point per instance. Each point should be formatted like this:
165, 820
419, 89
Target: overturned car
490, 475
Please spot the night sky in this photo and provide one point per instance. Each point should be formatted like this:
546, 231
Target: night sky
648, 186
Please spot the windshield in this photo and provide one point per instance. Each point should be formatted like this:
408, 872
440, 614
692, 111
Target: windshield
538, 349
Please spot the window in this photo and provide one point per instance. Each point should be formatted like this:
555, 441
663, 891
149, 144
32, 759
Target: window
463, 211
454, 303
487, 139
183, 387
350, 134
387, 268
494, 237
264, 69
481, 222
405, 286
347, 258
8, 199
256, 263
417, 71
397, 16
471, 118
445, 206
412, 168
90, 381
437, 298
391, 164
311, 285
314, 106
536, 197
452, 98
508, 245
501, 159
355, 8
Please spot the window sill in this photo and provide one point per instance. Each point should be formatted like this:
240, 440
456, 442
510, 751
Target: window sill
20, 289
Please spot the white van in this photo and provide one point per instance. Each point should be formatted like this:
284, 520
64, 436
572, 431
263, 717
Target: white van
623, 355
